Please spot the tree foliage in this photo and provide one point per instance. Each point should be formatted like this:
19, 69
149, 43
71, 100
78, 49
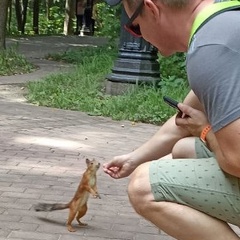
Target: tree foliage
58, 17
108, 20
37, 17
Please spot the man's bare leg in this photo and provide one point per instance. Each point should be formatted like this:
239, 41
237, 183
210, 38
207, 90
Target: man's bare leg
179, 221
184, 148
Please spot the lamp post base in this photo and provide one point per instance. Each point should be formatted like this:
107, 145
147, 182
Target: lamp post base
137, 62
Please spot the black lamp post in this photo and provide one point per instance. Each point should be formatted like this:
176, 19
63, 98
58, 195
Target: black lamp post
136, 63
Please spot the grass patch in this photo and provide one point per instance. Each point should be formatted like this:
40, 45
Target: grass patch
12, 63
82, 88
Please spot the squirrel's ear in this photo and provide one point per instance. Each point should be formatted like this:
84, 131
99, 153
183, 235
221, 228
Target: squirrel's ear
87, 161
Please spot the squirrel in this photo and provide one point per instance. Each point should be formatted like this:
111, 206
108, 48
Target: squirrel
78, 205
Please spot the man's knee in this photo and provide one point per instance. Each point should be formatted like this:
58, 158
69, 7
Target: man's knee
184, 148
134, 186
139, 189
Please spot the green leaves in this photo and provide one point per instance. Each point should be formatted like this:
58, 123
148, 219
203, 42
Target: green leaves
108, 20
11, 63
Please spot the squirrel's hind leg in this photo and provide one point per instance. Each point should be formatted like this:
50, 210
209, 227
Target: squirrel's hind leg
81, 212
71, 216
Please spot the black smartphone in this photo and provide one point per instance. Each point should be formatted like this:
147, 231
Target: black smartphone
171, 102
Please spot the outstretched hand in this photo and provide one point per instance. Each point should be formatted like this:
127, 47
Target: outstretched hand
120, 167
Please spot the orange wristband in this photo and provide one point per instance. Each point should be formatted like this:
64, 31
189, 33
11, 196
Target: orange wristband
204, 133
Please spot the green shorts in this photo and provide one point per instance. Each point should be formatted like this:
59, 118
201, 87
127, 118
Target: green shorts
198, 183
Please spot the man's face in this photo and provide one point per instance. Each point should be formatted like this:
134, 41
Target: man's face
132, 27
154, 27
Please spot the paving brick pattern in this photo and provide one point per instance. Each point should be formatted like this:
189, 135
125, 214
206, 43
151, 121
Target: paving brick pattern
42, 156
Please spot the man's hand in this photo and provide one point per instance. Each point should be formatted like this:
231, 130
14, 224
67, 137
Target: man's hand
191, 119
120, 167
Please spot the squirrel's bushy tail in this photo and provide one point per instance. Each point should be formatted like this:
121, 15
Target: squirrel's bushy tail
47, 207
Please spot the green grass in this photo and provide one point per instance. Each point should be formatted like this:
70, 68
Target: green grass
11, 63
83, 88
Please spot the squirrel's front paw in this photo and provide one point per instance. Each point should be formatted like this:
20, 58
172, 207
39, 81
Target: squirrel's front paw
97, 196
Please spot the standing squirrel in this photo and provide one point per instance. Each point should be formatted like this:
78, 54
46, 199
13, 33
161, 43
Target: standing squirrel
78, 205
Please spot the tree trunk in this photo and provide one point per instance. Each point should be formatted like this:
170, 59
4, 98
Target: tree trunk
21, 14
24, 15
18, 9
3, 22
70, 8
36, 16
49, 4
9, 15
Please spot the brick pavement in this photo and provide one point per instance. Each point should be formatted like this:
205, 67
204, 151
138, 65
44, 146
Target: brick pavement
42, 156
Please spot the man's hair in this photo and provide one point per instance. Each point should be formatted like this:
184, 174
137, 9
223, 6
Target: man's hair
175, 3
170, 3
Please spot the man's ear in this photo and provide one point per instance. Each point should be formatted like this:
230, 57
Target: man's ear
153, 7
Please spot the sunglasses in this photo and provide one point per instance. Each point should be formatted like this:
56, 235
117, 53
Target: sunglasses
134, 29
